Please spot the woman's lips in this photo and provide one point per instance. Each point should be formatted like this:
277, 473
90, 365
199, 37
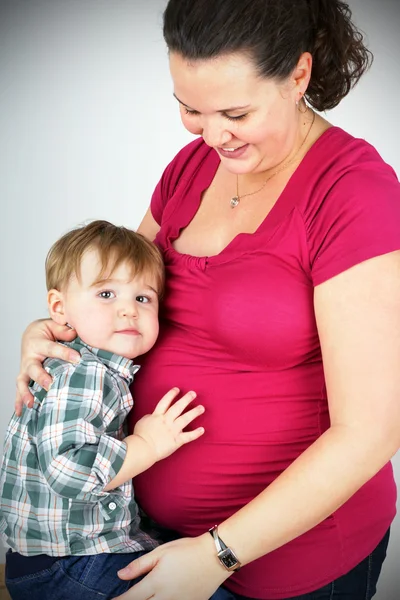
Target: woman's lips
237, 153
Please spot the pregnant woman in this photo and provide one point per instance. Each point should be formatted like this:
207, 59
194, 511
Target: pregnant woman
281, 237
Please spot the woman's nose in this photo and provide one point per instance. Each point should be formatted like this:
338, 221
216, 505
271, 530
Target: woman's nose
215, 135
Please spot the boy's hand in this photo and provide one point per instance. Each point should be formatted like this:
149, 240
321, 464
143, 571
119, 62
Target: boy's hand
163, 429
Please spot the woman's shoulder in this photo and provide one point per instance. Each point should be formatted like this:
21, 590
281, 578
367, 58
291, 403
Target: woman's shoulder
350, 203
346, 168
337, 151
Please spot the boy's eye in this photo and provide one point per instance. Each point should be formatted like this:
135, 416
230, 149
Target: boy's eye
106, 295
142, 299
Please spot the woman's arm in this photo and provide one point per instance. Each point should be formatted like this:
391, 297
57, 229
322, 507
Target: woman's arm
358, 318
149, 226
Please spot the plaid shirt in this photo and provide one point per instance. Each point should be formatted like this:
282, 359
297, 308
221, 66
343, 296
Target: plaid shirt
60, 455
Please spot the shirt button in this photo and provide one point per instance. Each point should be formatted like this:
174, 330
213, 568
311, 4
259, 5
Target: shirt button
112, 506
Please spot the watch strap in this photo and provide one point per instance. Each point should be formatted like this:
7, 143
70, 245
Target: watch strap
220, 544
225, 554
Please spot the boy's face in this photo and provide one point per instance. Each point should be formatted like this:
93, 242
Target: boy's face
119, 314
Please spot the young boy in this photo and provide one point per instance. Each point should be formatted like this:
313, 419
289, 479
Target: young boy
67, 509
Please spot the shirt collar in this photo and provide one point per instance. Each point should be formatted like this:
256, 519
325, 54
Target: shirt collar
124, 366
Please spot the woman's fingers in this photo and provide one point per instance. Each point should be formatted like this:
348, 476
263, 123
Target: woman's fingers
35, 372
38, 342
140, 566
23, 396
50, 349
64, 333
34, 369
142, 590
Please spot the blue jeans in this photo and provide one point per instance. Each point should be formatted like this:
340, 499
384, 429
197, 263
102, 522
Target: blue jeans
357, 584
75, 578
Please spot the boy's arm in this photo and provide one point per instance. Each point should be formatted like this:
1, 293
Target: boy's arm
76, 455
78, 458
158, 435
138, 458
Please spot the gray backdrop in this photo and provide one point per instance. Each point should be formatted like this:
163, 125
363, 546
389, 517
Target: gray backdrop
87, 124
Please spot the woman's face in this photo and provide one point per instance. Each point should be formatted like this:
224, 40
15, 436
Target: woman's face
232, 107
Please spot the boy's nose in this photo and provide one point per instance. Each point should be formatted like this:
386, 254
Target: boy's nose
128, 310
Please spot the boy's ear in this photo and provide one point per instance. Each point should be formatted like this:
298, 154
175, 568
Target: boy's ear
55, 302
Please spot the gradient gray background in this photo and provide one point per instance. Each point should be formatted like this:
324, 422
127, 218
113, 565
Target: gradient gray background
88, 123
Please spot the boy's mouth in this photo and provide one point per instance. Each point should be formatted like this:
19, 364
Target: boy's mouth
129, 331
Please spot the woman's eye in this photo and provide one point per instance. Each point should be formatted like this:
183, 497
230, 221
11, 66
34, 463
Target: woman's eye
190, 112
238, 118
142, 299
106, 295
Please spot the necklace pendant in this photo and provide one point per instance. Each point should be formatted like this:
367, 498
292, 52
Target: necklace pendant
234, 201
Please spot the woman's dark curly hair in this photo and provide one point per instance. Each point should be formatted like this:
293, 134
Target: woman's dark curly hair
275, 33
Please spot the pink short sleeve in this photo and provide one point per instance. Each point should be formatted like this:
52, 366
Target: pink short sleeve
179, 166
158, 201
358, 219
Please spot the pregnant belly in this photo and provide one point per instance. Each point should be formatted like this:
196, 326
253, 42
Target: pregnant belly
256, 424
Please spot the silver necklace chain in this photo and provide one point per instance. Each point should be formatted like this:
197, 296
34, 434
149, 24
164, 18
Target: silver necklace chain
235, 200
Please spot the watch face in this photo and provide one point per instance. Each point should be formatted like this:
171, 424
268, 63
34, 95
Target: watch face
228, 559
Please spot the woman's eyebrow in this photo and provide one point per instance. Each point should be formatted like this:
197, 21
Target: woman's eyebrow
223, 110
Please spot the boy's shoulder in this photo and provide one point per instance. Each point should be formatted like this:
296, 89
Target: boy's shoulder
57, 366
96, 363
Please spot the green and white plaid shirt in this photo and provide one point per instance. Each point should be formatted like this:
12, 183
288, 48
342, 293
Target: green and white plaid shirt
60, 455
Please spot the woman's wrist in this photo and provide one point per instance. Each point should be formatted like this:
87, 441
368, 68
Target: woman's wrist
213, 567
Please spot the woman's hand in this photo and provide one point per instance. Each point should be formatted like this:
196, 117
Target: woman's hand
185, 568
39, 341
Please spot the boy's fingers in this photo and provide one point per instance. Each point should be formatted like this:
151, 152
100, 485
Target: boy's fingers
185, 419
177, 409
165, 401
189, 436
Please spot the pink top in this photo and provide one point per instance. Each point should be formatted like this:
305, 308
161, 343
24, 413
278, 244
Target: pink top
239, 328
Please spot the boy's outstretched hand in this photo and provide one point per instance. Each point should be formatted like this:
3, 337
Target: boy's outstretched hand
163, 430
158, 435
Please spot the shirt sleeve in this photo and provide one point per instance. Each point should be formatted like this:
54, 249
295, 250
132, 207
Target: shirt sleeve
76, 455
180, 167
358, 219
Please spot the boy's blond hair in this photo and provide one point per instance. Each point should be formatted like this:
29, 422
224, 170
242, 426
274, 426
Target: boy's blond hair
114, 244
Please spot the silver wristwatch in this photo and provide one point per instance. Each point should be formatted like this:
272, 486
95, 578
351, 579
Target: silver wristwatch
226, 555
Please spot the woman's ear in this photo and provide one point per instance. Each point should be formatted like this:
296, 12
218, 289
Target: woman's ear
302, 74
55, 302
